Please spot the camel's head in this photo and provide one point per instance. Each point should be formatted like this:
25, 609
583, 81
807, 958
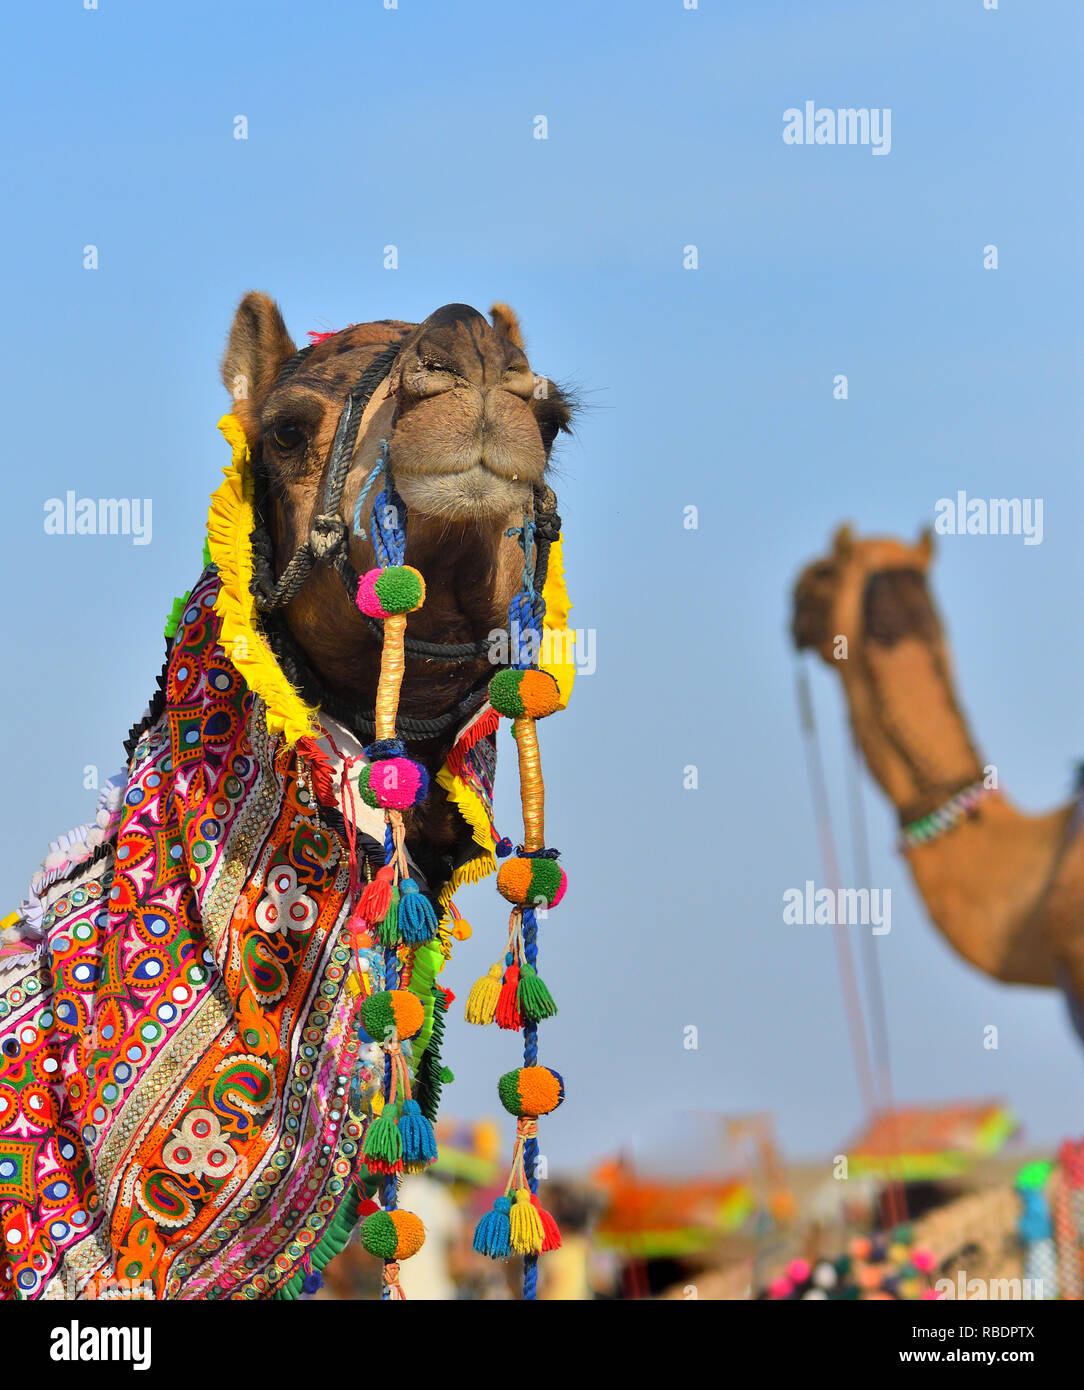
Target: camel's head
866, 591
469, 428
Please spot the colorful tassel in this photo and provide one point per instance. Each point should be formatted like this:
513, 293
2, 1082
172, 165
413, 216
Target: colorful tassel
419, 1141
492, 1235
417, 919
535, 1000
507, 1012
483, 996
387, 929
526, 1235
551, 1231
376, 896
383, 1149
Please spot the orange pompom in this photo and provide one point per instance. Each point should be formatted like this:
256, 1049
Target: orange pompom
514, 880
410, 1231
531, 1090
539, 693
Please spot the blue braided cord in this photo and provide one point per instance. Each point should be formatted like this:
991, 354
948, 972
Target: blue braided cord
381, 463
389, 537
389, 1185
527, 611
530, 1058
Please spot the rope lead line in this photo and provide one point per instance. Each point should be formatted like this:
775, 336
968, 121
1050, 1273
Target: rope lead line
844, 956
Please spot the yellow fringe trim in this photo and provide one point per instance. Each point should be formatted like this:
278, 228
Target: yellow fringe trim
469, 805
229, 539
556, 654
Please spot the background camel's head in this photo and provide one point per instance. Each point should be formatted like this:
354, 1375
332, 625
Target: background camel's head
870, 591
469, 428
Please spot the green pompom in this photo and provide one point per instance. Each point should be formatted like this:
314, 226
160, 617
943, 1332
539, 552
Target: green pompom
378, 1235
546, 879
504, 693
378, 1016
368, 796
508, 1090
400, 589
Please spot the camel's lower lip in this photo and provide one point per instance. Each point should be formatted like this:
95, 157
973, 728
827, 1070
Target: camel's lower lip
475, 491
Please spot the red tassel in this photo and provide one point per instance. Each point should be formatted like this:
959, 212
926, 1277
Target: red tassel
552, 1235
507, 1014
376, 896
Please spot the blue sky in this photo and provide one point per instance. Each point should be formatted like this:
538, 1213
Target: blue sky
711, 387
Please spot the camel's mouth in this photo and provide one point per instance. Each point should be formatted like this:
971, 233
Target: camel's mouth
814, 594
476, 493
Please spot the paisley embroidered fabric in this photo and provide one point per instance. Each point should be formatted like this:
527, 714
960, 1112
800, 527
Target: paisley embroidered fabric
176, 1048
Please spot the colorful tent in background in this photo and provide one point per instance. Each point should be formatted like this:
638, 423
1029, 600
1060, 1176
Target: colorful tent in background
930, 1142
653, 1218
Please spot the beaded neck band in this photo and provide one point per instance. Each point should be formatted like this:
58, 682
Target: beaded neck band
958, 808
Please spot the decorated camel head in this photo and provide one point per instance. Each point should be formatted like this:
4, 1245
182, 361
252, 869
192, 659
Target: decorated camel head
1005, 888
468, 428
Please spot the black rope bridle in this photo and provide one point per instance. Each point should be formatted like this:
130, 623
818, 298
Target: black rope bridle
327, 543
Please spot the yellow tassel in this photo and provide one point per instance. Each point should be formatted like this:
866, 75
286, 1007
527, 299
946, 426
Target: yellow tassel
526, 1236
483, 996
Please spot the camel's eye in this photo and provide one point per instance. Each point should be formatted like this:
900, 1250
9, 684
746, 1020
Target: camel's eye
288, 434
435, 367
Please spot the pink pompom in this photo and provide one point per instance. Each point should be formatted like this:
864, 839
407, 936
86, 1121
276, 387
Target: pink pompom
798, 1270
367, 600
398, 783
930, 1294
561, 891
781, 1287
923, 1259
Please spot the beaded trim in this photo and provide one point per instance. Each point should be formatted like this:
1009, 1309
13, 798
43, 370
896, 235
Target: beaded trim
946, 817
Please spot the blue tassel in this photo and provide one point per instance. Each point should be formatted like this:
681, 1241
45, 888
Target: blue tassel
493, 1234
312, 1282
417, 919
504, 847
419, 1141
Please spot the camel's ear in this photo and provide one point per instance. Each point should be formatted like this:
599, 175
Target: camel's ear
926, 548
505, 319
259, 345
843, 542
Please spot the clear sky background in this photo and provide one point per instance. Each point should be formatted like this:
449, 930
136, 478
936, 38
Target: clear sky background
710, 387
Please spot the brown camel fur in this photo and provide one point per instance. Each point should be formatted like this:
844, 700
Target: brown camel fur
1006, 889
469, 428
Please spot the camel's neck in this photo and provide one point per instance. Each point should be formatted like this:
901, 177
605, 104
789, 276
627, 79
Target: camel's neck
908, 723
983, 881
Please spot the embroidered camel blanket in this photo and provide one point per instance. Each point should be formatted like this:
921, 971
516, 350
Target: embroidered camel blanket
183, 1091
